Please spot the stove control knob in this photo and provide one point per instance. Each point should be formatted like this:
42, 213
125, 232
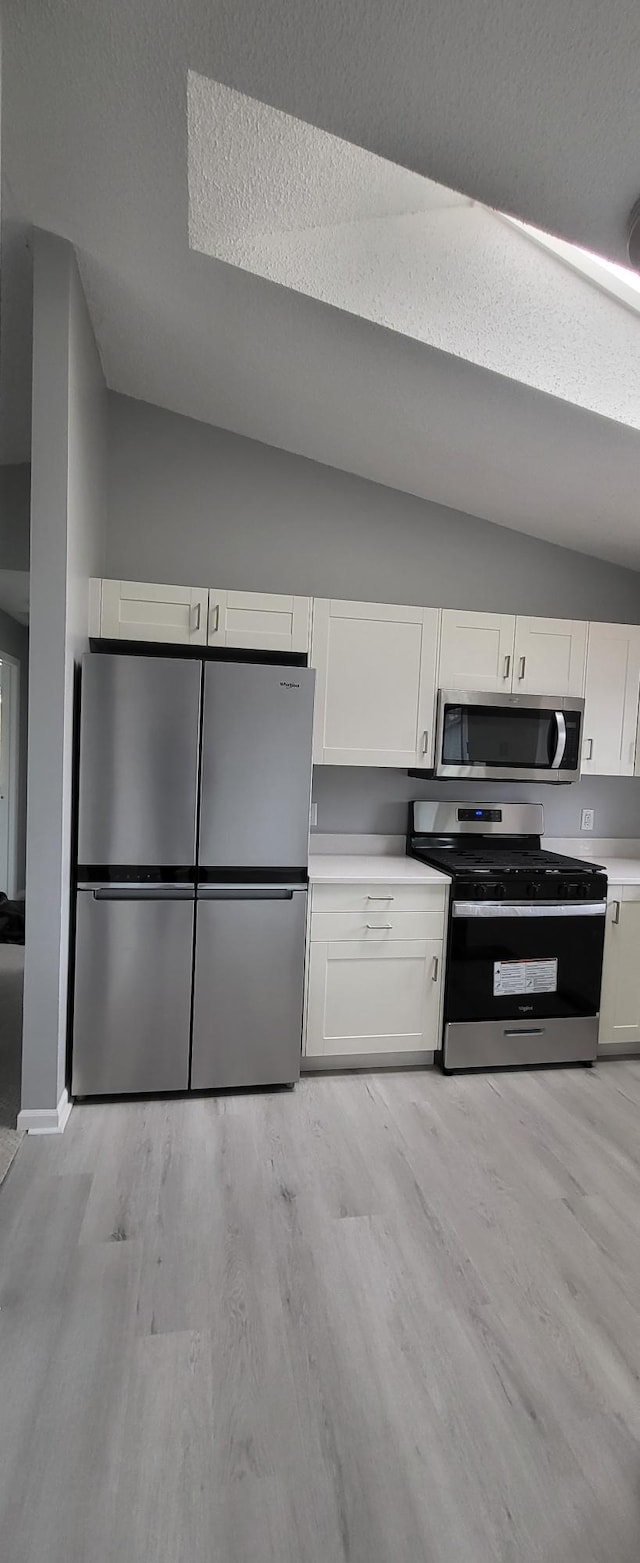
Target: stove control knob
480, 890
574, 890
499, 892
533, 889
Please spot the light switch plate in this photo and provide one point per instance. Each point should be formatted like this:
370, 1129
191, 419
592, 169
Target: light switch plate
587, 819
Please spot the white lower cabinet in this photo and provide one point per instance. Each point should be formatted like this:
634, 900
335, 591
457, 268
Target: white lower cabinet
374, 972
373, 998
620, 1001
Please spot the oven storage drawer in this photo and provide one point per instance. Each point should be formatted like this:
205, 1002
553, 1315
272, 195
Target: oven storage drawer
524, 961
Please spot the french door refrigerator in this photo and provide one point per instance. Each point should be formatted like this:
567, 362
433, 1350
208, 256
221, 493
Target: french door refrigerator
194, 793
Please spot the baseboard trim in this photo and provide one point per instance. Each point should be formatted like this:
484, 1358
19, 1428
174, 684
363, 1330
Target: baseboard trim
336, 1064
618, 1050
45, 1120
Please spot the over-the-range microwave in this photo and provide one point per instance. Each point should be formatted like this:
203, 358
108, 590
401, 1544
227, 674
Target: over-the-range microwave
508, 737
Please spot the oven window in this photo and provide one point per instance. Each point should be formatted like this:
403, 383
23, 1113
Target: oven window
520, 738
513, 967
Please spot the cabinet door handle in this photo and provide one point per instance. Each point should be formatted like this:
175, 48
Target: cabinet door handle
589, 743
380, 898
616, 912
435, 967
425, 740
523, 664
194, 618
376, 926
214, 619
507, 665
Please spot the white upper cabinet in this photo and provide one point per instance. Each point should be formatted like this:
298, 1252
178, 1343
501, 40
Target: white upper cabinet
612, 694
261, 620
476, 651
132, 610
550, 657
376, 683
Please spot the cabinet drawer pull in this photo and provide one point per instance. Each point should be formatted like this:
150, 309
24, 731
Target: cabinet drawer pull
507, 665
616, 912
425, 740
214, 619
380, 898
523, 664
376, 926
435, 967
195, 619
589, 744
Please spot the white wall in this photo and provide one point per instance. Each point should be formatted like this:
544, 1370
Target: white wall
192, 504
68, 509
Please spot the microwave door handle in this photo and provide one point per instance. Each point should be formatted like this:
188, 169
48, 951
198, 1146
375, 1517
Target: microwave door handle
562, 741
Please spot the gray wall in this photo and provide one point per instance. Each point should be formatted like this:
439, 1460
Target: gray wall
195, 505
376, 800
68, 509
14, 639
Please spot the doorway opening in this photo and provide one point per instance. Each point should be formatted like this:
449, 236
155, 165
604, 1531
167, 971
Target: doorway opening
11, 908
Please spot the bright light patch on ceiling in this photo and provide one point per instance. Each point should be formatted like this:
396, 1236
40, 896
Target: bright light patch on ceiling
619, 281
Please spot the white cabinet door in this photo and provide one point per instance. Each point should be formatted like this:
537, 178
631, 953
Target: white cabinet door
620, 1001
612, 694
373, 998
550, 657
132, 610
476, 651
262, 620
376, 683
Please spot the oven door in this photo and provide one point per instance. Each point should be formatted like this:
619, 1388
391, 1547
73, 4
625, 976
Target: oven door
508, 737
510, 960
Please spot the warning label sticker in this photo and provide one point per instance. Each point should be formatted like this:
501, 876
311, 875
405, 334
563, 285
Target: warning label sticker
524, 977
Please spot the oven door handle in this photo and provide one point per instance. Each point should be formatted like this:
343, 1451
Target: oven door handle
561, 728
493, 909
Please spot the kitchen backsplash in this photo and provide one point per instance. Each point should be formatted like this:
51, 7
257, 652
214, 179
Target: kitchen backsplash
358, 799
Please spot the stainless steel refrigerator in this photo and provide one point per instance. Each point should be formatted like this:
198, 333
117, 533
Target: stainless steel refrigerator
194, 794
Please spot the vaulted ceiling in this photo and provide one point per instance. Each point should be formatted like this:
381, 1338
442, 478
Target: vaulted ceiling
255, 194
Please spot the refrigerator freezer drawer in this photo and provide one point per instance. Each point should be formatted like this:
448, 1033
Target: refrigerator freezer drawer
132, 994
249, 972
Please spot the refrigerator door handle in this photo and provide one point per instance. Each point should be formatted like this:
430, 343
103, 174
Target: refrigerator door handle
140, 892
249, 892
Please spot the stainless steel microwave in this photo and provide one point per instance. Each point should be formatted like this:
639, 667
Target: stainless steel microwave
508, 737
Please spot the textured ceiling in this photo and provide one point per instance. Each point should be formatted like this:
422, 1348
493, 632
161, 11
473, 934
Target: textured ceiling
302, 208
532, 108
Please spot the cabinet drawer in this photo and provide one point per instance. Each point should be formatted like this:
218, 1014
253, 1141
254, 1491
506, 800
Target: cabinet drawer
378, 897
377, 926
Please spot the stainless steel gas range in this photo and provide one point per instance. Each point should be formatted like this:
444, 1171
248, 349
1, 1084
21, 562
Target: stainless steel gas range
525, 938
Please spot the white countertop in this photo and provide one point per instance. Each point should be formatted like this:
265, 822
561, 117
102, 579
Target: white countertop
621, 870
346, 868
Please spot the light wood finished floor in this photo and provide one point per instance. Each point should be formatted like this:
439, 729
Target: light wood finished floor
385, 1319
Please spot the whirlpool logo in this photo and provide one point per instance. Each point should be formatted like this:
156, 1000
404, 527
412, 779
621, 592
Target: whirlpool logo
285, 685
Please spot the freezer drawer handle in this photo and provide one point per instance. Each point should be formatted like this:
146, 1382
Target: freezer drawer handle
143, 893
248, 893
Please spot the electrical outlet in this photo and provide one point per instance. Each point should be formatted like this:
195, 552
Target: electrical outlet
314, 815
587, 819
